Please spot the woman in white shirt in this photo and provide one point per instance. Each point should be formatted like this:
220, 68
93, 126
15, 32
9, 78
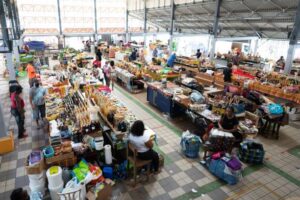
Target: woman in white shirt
140, 138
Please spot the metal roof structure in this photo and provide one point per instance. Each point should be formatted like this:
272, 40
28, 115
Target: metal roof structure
238, 18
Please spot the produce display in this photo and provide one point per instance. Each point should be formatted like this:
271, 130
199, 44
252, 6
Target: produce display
188, 61
156, 72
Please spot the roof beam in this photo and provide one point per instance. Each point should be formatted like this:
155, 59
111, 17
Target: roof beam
235, 28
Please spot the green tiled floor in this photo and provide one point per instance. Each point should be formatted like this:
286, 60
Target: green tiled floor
279, 176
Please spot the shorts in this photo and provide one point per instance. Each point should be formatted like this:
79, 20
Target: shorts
39, 111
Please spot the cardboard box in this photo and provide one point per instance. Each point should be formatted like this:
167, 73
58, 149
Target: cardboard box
66, 160
36, 168
105, 193
7, 143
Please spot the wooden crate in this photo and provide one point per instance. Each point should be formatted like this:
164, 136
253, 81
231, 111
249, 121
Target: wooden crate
7, 143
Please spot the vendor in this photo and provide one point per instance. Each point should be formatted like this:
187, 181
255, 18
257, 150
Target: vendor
133, 55
229, 123
198, 54
227, 72
171, 60
98, 54
140, 138
281, 62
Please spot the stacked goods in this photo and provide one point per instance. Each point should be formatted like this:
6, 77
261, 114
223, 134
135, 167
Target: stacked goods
132, 68
219, 80
205, 79
284, 92
192, 62
156, 72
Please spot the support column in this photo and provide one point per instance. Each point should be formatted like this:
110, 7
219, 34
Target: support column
172, 25
2, 124
127, 23
96, 21
255, 47
215, 29
12, 19
145, 22
293, 41
60, 39
16, 50
16, 19
10, 66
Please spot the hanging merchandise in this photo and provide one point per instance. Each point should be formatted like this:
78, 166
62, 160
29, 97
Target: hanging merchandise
108, 155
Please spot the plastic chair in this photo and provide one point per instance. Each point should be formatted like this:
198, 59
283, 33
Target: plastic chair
137, 163
74, 195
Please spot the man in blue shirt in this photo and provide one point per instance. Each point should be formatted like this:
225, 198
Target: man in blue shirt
171, 60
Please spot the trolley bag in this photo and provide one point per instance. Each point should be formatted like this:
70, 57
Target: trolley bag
221, 170
190, 144
251, 152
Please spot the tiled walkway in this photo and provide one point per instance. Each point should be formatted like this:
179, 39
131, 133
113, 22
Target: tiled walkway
278, 178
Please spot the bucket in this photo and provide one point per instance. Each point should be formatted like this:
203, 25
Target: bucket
54, 176
54, 190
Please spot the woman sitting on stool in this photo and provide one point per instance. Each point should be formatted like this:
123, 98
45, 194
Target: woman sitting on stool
229, 123
140, 138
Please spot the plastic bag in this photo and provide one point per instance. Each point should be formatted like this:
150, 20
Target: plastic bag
275, 109
197, 97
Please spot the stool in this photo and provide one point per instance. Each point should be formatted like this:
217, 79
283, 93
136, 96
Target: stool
137, 163
274, 124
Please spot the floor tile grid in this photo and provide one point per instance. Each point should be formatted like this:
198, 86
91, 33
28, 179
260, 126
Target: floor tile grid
177, 143
12, 164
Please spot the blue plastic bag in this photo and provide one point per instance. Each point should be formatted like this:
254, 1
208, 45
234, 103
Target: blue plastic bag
275, 109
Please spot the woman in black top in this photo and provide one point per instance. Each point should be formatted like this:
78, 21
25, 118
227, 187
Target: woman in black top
229, 123
227, 72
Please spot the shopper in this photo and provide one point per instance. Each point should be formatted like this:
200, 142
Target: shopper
106, 71
171, 60
112, 73
19, 194
97, 63
31, 73
99, 54
227, 72
198, 54
98, 73
154, 53
236, 59
37, 101
140, 138
229, 123
18, 111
